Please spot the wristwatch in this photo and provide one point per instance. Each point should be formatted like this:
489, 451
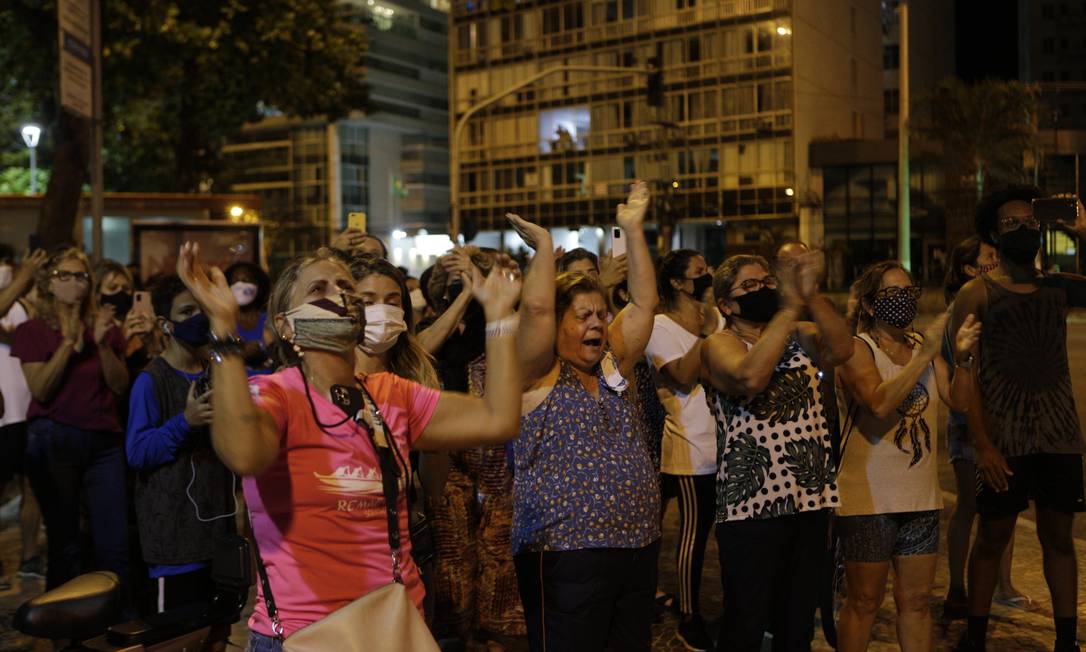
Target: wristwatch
967, 363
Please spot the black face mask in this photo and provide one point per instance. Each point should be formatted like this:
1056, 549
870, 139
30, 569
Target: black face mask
194, 331
701, 284
758, 307
1020, 246
121, 302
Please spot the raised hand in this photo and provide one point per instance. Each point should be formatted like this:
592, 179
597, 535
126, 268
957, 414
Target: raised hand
103, 321
348, 239
136, 324
499, 292
612, 270
534, 236
968, 336
933, 336
631, 215
32, 262
198, 410
211, 291
808, 269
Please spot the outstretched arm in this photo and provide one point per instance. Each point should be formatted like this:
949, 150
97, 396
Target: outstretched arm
535, 341
630, 331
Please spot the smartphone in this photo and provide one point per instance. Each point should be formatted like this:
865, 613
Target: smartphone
1051, 210
618, 242
141, 305
356, 221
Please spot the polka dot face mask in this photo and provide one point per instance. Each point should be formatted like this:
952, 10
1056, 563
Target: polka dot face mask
897, 306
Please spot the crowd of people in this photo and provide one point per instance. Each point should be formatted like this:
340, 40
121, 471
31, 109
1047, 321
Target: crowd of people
502, 442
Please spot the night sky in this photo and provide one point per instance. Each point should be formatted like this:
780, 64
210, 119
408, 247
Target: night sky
986, 39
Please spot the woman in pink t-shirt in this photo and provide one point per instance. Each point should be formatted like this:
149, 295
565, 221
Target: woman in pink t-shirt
312, 476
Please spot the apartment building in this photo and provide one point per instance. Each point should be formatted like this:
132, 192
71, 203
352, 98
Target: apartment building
746, 86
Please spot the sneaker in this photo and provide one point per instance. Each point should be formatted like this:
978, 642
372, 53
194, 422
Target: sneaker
32, 567
693, 634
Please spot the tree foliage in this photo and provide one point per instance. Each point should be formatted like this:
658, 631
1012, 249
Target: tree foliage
181, 77
985, 129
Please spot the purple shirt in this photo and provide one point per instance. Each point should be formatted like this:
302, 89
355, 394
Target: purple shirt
83, 399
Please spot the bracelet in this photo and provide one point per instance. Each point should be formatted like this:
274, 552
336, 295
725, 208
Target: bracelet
220, 347
503, 327
967, 363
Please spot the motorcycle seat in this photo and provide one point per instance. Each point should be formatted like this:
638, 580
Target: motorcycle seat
78, 609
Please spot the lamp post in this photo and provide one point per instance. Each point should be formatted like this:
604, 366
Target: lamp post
31, 136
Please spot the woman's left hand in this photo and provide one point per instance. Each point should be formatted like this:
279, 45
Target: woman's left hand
103, 321
500, 290
968, 336
136, 324
631, 215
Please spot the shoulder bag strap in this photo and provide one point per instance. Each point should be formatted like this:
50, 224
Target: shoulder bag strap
265, 584
390, 475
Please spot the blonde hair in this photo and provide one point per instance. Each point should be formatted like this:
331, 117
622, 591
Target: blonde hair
46, 304
406, 359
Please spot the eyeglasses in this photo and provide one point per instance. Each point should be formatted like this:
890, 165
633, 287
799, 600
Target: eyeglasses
912, 291
62, 275
755, 284
1008, 224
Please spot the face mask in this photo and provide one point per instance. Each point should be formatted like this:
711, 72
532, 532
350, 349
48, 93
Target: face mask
418, 301
6, 274
758, 307
898, 310
1020, 246
194, 331
244, 292
985, 269
323, 325
121, 302
384, 323
70, 292
701, 284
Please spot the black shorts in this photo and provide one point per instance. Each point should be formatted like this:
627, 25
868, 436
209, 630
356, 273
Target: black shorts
1051, 480
12, 450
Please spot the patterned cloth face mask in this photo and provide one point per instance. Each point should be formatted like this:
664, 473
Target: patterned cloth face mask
897, 306
323, 325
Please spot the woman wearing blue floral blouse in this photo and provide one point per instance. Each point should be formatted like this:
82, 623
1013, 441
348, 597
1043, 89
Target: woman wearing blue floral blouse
586, 500
775, 482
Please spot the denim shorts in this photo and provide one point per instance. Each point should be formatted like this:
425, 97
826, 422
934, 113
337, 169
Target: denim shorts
880, 537
260, 643
957, 441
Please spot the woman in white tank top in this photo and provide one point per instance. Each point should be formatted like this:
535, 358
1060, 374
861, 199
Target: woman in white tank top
888, 480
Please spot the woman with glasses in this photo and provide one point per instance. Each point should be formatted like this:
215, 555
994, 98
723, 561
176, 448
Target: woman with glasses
775, 482
888, 483
73, 360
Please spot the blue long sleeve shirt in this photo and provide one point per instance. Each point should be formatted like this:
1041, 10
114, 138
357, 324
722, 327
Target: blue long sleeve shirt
148, 444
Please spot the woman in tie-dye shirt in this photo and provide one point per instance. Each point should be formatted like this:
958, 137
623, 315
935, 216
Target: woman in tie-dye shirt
586, 501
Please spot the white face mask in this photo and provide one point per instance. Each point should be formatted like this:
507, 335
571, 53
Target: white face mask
244, 292
384, 323
418, 302
6, 274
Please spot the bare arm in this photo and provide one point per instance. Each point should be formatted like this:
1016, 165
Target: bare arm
245, 437
114, 370
630, 331
686, 371
21, 280
434, 337
45, 378
535, 341
733, 369
877, 395
463, 421
834, 340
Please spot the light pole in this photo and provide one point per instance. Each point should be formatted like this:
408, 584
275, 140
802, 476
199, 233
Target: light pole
31, 135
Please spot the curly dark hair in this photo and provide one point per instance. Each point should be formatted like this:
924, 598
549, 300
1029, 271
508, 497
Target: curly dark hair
987, 215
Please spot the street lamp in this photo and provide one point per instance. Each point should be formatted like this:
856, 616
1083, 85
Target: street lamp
31, 135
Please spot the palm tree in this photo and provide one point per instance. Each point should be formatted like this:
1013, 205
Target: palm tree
985, 129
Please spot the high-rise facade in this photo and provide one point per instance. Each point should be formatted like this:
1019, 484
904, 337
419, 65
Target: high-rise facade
388, 159
746, 86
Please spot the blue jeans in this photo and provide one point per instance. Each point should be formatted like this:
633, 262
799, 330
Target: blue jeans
69, 467
261, 643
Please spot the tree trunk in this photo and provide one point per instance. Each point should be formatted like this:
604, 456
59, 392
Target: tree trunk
57, 220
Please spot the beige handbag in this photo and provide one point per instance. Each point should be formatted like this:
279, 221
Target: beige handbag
383, 620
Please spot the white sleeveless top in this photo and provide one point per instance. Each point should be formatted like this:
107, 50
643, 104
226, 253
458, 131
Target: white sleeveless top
890, 465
